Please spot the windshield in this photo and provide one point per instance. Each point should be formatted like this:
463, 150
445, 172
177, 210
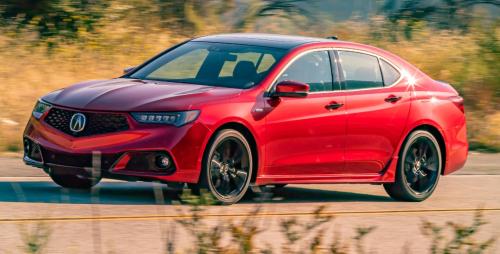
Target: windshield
213, 64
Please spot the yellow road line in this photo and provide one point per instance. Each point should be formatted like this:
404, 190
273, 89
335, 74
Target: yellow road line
237, 215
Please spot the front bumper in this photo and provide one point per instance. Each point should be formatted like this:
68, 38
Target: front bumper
112, 154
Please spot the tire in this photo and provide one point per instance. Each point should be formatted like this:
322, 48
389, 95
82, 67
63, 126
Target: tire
419, 168
227, 167
74, 181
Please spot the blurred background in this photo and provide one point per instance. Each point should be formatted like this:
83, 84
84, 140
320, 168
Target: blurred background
49, 44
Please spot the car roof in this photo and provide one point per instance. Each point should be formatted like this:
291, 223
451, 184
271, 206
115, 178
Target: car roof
264, 40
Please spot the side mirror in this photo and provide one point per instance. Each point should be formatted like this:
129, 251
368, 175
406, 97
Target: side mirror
290, 88
128, 69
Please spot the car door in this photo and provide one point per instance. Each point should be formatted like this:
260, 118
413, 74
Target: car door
305, 136
377, 107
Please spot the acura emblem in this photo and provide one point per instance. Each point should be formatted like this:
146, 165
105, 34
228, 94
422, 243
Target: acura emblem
77, 122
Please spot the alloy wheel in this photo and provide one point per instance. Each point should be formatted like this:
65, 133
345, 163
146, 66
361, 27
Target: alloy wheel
419, 168
421, 165
229, 166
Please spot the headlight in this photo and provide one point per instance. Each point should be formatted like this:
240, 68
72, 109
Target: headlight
40, 108
172, 118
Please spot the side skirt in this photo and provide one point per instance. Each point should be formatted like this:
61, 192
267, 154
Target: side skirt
388, 175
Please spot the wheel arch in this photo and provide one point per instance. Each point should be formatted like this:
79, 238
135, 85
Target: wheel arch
438, 135
248, 134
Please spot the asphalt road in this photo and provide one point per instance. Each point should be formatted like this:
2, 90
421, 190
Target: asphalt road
120, 217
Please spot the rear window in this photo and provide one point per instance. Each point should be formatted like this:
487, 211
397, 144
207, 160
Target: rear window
390, 74
360, 70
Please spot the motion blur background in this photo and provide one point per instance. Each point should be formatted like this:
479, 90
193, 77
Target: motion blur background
49, 44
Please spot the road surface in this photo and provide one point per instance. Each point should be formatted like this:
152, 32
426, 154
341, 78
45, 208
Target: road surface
120, 217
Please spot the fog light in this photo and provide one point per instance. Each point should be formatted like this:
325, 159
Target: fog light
162, 161
32, 150
27, 146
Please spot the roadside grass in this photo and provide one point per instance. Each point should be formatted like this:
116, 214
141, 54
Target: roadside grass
309, 235
463, 239
36, 238
483, 147
485, 130
300, 235
13, 147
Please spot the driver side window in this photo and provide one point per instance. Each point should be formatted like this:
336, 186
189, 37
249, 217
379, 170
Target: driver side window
314, 69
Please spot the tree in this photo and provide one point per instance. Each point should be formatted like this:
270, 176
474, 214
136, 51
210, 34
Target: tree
50, 18
68, 19
443, 14
288, 9
196, 15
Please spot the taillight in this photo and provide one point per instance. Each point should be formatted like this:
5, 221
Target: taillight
458, 101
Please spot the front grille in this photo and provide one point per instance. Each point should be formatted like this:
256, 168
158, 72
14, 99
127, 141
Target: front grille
97, 123
77, 160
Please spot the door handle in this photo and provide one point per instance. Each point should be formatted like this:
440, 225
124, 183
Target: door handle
334, 105
392, 98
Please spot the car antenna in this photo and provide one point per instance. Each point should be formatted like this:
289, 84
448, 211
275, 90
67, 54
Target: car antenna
332, 37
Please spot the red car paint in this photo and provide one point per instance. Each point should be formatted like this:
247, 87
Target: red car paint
297, 140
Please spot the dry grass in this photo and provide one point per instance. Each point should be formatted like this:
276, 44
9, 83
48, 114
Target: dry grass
29, 69
313, 234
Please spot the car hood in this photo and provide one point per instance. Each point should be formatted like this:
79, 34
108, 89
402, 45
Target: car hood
137, 95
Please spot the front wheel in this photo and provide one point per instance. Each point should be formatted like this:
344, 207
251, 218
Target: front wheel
227, 167
419, 168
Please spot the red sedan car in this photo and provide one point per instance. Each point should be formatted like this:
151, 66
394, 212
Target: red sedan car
224, 112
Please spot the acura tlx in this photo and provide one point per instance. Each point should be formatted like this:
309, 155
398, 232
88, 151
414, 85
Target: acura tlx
225, 112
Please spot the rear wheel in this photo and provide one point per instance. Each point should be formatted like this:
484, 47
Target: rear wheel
74, 181
419, 168
227, 167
